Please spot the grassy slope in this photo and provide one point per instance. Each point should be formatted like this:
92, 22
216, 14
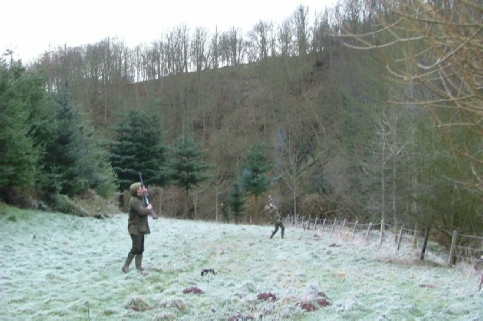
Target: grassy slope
60, 267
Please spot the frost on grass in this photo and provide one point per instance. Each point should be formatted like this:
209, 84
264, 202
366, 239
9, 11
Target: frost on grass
60, 267
137, 304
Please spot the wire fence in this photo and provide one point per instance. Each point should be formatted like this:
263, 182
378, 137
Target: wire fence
464, 248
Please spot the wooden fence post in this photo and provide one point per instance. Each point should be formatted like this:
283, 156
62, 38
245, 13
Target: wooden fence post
343, 227
415, 238
382, 230
368, 230
354, 230
333, 226
452, 250
160, 213
400, 237
315, 224
323, 225
426, 237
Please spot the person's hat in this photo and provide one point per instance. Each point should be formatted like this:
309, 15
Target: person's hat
134, 188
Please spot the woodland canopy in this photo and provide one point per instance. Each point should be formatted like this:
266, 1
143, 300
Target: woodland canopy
366, 112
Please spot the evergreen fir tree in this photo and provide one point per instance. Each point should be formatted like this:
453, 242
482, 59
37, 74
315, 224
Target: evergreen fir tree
138, 147
22, 108
255, 171
186, 166
236, 200
74, 160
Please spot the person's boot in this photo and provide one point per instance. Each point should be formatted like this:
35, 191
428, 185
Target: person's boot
273, 233
283, 232
129, 259
139, 261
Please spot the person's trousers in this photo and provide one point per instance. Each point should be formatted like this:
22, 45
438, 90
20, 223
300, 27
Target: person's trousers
137, 244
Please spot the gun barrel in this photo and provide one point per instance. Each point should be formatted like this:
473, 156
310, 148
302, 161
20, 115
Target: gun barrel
146, 200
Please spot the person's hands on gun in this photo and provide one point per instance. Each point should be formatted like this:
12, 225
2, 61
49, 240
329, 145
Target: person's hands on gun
144, 191
149, 206
146, 200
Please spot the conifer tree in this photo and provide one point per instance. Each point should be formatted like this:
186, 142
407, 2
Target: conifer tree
236, 200
255, 171
22, 103
187, 167
138, 147
74, 160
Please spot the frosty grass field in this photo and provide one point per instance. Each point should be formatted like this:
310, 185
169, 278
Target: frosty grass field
62, 267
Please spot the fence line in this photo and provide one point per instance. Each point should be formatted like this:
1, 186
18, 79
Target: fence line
468, 249
464, 248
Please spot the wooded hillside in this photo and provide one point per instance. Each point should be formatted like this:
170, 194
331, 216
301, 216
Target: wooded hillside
336, 142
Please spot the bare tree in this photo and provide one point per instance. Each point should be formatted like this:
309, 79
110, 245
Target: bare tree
285, 39
291, 158
259, 38
300, 22
439, 45
233, 47
199, 49
177, 42
391, 158
214, 51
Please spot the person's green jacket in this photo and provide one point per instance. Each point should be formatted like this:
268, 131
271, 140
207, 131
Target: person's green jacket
276, 217
138, 216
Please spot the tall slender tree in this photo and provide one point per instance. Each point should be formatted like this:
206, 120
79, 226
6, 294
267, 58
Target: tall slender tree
187, 167
236, 200
254, 175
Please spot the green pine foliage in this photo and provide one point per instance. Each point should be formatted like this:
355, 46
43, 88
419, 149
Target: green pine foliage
75, 160
46, 143
255, 171
187, 169
186, 164
21, 101
138, 147
237, 200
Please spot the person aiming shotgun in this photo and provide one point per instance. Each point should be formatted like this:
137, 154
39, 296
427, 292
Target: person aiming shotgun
276, 219
138, 226
145, 198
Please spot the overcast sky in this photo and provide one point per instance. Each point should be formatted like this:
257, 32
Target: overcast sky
31, 27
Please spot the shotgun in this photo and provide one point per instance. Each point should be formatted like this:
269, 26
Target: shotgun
145, 197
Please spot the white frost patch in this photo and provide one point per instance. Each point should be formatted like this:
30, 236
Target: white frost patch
60, 267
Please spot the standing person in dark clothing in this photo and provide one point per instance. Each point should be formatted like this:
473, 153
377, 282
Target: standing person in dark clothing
276, 219
137, 226
270, 200
224, 210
